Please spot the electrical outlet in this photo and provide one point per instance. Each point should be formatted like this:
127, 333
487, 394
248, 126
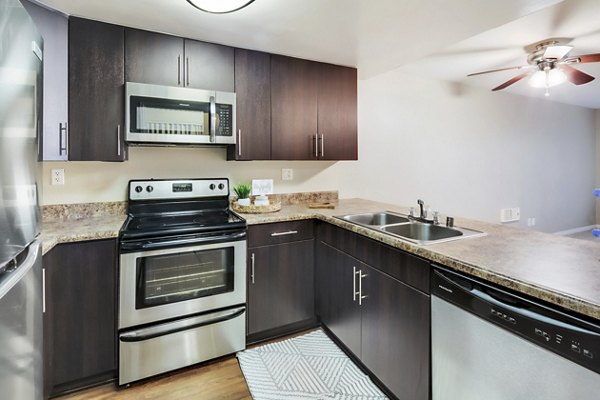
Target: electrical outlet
510, 214
287, 174
58, 176
530, 221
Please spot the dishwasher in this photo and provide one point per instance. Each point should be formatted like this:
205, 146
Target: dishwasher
488, 343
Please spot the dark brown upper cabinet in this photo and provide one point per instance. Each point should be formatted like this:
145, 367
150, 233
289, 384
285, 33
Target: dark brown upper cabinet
313, 112
336, 111
173, 61
253, 110
96, 93
293, 108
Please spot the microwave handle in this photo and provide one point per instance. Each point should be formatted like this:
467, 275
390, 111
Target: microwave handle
213, 119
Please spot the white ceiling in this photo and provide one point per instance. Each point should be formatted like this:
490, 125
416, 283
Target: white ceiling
437, 38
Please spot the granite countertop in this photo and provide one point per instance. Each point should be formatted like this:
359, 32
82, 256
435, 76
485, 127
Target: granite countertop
557, 269
560, 270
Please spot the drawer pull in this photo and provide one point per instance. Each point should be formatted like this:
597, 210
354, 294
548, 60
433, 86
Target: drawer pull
284, 233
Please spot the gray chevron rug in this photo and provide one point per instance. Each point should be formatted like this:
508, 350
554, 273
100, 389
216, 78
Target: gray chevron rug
310, 366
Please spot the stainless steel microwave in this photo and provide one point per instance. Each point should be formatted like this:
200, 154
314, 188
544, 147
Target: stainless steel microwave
174, 115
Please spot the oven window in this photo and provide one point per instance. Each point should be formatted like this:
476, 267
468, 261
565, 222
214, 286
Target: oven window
170, 278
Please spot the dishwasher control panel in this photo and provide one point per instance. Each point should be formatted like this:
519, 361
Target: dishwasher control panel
567, 335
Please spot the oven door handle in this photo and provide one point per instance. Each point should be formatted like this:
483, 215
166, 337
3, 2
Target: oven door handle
178, 326
149, 245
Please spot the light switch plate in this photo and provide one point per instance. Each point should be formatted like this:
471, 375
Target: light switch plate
510, 214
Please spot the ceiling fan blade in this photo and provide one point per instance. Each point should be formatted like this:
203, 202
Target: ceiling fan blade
575, 76
511, 81
586, 58
498, 70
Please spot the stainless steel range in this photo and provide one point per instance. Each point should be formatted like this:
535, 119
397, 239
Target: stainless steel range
182, 283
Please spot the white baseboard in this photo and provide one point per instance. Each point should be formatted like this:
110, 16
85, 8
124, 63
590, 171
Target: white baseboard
576, 230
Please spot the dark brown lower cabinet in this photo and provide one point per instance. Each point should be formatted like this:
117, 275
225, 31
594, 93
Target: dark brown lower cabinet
383, 321
337, 307
395, 334
79, 322
280, 286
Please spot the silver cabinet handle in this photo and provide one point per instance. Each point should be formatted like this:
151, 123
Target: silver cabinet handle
360, 295
322, 145
187, 70
62, 129
43, 290
284, 233
119, 140
239, 142
213, 119
353, 283
252, 259
317, 145
179, 70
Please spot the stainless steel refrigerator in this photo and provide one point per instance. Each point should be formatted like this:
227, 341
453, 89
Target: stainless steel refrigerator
20, 251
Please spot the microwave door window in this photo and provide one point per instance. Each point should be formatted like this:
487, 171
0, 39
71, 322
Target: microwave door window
169, 117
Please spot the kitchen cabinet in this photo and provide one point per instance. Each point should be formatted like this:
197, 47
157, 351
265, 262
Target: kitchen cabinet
382, 320
293, 108
96, 91
80, 317
336, 292
313, 110
337, 113
53, 27
167, 60
280, 279
253, 108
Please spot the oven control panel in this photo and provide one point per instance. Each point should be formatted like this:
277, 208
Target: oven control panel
177, 189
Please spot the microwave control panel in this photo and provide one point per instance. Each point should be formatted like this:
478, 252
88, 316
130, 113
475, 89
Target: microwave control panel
224, 116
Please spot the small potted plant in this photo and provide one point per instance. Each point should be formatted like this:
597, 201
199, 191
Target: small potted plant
242, 191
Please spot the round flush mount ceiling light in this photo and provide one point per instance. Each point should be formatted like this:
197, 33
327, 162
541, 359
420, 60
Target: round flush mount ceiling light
219, 6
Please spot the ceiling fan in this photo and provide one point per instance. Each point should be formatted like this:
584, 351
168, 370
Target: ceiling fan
549, 64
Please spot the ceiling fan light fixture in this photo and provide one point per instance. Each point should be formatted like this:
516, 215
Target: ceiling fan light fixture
547, 78
219, 6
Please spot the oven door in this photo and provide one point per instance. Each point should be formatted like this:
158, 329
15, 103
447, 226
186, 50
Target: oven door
170, 283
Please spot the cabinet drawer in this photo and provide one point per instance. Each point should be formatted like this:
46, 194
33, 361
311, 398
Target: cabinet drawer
279, 232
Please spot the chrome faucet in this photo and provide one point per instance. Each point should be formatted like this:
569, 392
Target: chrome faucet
421, 203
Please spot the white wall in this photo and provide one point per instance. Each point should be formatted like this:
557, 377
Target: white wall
465, 151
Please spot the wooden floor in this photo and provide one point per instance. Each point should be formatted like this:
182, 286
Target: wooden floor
222, 379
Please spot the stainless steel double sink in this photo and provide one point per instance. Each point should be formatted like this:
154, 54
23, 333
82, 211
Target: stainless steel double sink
414, 231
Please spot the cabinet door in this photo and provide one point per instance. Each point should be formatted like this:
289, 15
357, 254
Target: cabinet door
293, 108
337, 300
53, 27
96, 94
153, 58
280, 285
208, 66
79, 323
395, 334
337, 108
253, 109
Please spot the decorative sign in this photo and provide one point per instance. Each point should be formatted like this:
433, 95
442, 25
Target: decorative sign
262, 186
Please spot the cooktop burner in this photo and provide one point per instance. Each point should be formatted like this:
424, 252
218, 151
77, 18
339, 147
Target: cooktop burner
176, 207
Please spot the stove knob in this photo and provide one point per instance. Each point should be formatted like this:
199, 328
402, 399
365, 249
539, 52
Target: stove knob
149, 188
221, 186
139, 189
212, 186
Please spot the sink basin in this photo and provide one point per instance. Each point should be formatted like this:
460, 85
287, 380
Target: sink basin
375, 219
410, 230
422, 232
